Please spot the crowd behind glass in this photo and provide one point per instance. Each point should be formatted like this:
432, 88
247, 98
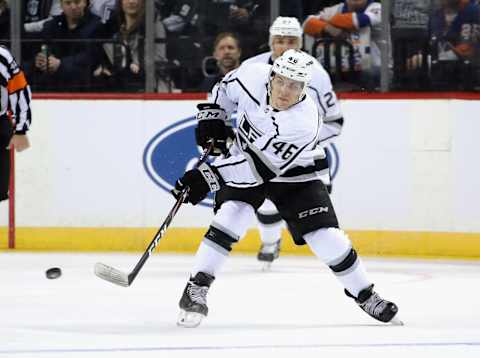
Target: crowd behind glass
99, 45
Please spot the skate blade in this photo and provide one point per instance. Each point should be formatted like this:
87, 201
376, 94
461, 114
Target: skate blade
396, 322
189, 319
266, 266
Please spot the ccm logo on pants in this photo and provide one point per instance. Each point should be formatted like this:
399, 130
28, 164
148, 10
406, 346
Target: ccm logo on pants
310, 212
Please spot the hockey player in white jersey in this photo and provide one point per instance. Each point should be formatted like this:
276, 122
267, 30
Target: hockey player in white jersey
286, 33
273, 156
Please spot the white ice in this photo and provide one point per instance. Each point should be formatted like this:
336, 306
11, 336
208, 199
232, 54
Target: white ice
297, 309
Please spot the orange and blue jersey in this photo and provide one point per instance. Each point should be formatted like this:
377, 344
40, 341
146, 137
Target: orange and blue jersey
341, 17
463, 32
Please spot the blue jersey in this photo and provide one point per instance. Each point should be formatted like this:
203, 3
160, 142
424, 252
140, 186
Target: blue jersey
462, 32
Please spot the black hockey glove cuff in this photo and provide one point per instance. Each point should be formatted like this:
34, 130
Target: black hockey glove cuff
199, 182
212, 127
215, 130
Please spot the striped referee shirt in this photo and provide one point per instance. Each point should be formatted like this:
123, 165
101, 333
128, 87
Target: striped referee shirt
15, 93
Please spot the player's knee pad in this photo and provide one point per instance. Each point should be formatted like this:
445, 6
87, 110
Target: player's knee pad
334, 248
267, 213
221, 238
230, 223
344, 264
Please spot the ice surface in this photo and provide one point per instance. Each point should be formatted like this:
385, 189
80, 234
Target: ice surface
298, 309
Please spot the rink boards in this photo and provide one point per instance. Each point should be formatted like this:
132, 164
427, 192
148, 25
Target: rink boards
98, 174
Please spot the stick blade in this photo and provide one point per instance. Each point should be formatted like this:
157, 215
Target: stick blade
111, 274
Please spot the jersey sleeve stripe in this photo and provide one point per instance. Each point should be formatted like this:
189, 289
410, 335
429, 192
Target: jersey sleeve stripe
20, 107
336, 122
319, 101
16, 83
319, 165
230, 164
328, 138
241, 183
248, 93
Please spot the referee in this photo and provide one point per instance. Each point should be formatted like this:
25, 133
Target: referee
15, 98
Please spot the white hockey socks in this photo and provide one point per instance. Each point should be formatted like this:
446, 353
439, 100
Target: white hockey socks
270, 233
209, 258
334, 248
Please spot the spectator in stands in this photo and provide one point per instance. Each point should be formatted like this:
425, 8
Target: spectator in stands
249, 19
454, 32
227, 52
180, 17
359, 23
69, 53
104, 9
289, 8
4, 21
125, 56
34, 14
37, 12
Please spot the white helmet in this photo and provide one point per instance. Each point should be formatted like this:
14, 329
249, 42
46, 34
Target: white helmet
295, 65
285, 26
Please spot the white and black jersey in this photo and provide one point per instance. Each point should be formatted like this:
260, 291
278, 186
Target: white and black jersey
321, 90
270, 145
15, 92
15, 98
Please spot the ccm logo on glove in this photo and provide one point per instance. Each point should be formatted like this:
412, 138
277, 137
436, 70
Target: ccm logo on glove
210, 178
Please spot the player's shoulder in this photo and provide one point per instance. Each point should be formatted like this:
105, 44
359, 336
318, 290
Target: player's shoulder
303, 116
306, 108
320, 77
262, 58
249, 74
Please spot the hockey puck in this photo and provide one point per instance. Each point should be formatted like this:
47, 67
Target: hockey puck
53, 273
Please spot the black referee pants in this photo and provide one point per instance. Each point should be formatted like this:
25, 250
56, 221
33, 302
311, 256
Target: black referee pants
5, 135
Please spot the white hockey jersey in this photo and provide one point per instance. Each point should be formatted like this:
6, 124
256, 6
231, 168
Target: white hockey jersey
321, 90
270, 145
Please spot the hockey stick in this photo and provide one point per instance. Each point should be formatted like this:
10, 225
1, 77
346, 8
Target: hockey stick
120, 278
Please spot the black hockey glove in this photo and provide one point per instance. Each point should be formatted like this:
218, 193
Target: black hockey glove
212, 127
199, 182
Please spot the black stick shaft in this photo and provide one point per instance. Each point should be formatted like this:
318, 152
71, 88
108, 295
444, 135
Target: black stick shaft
161, 231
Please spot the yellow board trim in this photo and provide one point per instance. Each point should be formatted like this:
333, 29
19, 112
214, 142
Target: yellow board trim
186, 240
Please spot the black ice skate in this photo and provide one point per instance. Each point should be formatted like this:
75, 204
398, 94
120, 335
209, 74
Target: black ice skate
193, 304
375, 306
268, 253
